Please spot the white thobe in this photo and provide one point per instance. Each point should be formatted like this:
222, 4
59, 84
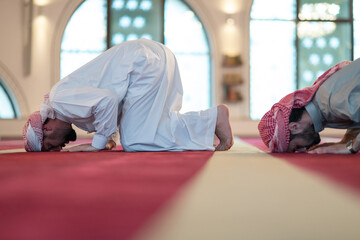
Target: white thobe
136, 87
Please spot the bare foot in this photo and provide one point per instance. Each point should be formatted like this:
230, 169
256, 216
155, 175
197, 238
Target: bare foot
223, 129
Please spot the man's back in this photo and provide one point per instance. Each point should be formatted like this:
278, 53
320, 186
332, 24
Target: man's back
337, 100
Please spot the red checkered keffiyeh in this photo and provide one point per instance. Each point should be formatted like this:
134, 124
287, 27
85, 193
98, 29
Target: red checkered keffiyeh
274, 125
32, 131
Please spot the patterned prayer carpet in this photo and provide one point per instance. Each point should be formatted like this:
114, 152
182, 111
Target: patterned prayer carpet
244, 193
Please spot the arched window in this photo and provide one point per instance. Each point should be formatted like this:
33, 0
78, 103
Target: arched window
100, 24
292, 42
8, 109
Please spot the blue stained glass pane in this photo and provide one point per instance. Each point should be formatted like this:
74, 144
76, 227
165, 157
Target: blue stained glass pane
321, 42
117, 4
328, 59
314, 59
132, 4
308, 76
117, 38
307, 42
334, 42
132, 36
125, 21
323, 10
146, 5
139, 22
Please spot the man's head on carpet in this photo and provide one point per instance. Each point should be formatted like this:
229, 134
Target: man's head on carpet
56, 134
302, 131
287, 129
282, 134
46, 134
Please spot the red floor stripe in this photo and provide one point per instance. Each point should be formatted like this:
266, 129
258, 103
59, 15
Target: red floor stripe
11, 144
104, 195
339, 168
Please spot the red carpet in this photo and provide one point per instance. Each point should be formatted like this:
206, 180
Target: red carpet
11, 144
343, 169
105, 195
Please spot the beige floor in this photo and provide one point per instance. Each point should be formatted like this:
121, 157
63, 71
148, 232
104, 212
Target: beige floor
247, 194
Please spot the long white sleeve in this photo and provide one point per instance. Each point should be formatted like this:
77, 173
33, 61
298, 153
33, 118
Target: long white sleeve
89, 108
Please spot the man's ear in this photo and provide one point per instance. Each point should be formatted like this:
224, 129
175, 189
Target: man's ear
294, 128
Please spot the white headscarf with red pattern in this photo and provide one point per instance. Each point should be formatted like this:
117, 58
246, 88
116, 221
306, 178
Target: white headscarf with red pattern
32, 131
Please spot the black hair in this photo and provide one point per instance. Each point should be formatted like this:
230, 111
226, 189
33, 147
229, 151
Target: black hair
309, 134
296, 114
70, 135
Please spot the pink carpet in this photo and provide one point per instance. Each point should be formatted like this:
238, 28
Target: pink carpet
104, 195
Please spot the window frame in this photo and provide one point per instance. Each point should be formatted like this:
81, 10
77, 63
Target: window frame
347, 22
341, 20
108, 43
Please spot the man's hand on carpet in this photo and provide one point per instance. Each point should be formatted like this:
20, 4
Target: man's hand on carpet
322, 145
339, 148
110, 145
81, 148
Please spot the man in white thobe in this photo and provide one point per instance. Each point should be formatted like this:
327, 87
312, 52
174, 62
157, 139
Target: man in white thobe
134, 87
